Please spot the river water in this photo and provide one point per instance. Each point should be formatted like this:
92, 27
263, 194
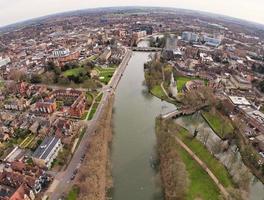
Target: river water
134, 135
134, 140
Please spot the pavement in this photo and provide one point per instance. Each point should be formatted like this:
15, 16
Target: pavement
62, 181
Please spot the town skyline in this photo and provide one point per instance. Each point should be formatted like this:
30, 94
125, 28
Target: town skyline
18, 11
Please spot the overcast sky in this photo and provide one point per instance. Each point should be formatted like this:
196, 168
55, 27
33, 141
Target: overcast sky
17, 10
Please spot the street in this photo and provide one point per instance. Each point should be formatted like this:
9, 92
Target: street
62, 181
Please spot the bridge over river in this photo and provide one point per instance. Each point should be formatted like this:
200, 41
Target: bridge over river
183, 111
146, 49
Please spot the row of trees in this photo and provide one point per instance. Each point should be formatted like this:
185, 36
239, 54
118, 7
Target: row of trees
172, 169
157, 72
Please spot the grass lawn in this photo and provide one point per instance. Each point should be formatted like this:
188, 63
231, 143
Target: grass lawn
158, 92
84, 116
92, 58
98, 99
89, 98
106, 74
200, 150
73, 194
262, 109
94, 108
216, 121
201, 186
74, 72
181, 80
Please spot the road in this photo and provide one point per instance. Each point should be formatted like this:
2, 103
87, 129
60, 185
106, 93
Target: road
62, 181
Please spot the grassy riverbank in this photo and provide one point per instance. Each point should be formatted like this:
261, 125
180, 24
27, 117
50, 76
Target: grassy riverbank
200, 150
166, 132
220, 124
181, 176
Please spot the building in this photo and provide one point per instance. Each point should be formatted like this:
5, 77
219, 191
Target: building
47, 151
239, 101
77, 109
214, 42
60, 52
193, 85
190, 37
105, 55
61, 57
254, 118
4, 61
137, 35
46, 106
16, 104
240, 83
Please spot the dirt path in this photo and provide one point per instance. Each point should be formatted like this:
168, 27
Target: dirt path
204, 166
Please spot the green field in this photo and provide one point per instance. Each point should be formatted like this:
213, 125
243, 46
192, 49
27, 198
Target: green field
74, 72
158, 92
199, 183
84, 116
89, 98
182, 80
73, 194
92, 58
105, 74
93, 110
221, 126
262, 109
200, 150
201, 186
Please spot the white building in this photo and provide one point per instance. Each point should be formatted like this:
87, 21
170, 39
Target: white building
60, 52
189, 36
4, 61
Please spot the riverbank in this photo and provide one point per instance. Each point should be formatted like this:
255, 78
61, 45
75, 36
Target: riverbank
94, 173
168, 132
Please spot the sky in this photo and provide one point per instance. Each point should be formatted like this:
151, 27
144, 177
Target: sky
12, 11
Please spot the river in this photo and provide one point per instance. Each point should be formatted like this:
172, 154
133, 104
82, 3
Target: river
134, 140
134, 135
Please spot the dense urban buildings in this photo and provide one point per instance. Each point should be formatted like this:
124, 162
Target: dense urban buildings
58, 72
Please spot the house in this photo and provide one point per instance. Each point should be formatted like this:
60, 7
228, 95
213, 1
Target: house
77, 109
240, 83
47, 151
105, 55
16, 186
62, 126
46, 106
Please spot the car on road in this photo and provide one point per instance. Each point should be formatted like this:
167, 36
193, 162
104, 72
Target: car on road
75, 171
82, 158
72, 177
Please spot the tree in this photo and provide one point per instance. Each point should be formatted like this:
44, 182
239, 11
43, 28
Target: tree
48, 77
17, 75
35, 78
261, 86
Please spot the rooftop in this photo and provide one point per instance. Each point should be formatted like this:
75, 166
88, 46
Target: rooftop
45, 147
239, 100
